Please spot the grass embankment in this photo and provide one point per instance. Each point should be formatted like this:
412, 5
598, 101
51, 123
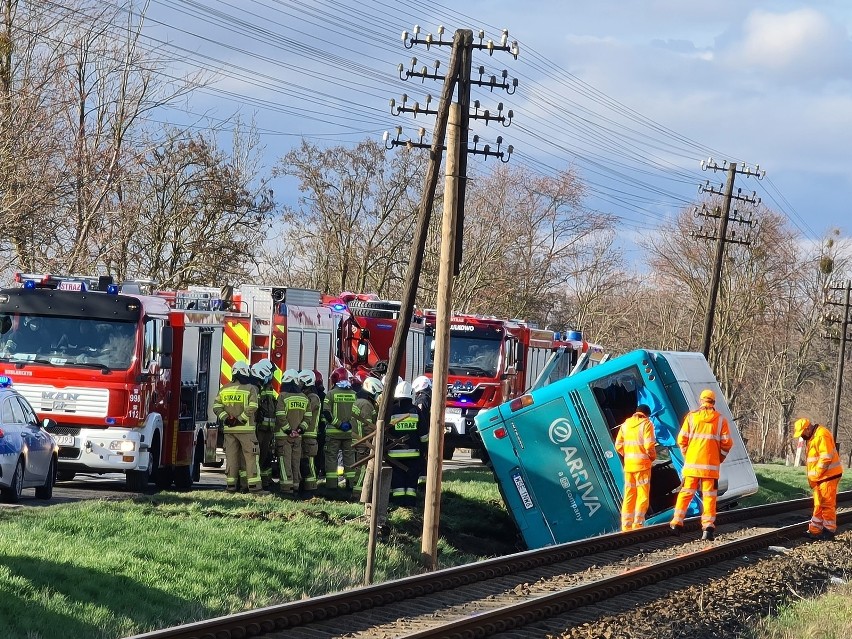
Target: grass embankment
108, 569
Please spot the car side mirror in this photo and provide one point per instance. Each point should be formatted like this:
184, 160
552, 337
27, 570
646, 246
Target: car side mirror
47, 423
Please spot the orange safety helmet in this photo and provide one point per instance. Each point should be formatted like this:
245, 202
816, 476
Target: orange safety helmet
707, 396
800, 426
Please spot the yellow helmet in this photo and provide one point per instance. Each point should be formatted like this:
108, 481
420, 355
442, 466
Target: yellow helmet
707, 396
800, 425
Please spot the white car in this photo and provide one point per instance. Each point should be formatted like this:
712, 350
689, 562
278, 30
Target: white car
28, 453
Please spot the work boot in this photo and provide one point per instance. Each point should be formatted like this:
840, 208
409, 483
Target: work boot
826, 535
813, 535
675, 530
708, 534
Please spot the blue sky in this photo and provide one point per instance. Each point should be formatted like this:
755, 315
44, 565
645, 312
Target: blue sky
631, 94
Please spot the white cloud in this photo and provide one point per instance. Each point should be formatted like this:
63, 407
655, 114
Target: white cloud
800, 45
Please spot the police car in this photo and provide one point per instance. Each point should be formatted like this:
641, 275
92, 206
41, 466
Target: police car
28, 453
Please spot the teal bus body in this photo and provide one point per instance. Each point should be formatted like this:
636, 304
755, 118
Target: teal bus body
555, 459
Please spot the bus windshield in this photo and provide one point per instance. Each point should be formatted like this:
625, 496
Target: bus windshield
66, 341
470, 356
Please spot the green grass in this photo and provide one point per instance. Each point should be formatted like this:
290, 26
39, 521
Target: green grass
827, 617
107, 569
778, 482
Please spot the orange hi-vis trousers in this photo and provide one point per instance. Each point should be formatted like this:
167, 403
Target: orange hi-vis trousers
637, 495
708, 500
825, 507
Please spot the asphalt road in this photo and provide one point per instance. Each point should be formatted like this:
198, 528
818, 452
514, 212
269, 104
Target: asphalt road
111, 485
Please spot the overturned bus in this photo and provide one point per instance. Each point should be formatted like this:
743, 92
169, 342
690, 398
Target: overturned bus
553, 449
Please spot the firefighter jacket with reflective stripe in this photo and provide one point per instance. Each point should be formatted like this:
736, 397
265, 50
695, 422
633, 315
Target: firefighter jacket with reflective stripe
704, 440
292, 413
315, 408
339, 402
363, 418
267, 405
823, 461
636, 443
423, 401
404, 432
235, 407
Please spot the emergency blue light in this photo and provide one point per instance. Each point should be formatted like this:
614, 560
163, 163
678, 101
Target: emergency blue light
5, 381
338, 307
29, 284
109, 421
112, 289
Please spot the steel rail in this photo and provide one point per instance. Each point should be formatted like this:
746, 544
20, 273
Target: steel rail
514, 616
253, 623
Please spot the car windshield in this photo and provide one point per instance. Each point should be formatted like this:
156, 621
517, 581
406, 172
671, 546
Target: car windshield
67, 341
471, 356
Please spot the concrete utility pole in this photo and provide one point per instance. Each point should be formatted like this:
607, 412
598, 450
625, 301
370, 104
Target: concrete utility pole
721, 233
452, 235
432, 507
844, 322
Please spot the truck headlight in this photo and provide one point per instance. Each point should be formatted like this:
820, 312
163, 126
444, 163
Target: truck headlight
123, 445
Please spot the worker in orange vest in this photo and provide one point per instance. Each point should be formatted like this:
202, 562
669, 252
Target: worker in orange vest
637, 445
824, 473
705, 441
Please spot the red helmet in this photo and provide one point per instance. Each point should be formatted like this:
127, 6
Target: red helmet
361, 375
339, 375
317, 377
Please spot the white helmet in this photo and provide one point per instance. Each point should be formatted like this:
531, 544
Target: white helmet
290, 375
263, 369
240, 368
403, 389
372, 386
421, 383
307, 377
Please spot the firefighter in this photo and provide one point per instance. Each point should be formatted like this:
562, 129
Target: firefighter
291, 420
364, 424
637, 444
337, 410
235, 407
263, 372
319, 460
406, 430
422, 387
310, 448
824, 473
705, 441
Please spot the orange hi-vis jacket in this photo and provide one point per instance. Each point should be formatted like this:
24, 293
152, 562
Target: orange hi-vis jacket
705, 441
823, 461
636, 443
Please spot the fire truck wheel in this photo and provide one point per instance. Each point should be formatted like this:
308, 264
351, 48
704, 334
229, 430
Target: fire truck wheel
165, 476
137, 480
197, 458
448, 451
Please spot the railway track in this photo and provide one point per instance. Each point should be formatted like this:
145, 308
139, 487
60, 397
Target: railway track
503, 596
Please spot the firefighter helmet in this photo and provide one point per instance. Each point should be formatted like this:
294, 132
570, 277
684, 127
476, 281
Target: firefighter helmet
289, 376
317, 377
372, 386
421, 383
403, 391
263, 369
340, 376
360, 375
240, 368
307, 377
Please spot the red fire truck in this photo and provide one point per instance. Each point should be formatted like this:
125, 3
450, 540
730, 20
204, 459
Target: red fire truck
130, 378
491, 360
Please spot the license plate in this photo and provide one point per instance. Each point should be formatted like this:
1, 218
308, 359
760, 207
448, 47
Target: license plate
523, 493
64, 440
453, 410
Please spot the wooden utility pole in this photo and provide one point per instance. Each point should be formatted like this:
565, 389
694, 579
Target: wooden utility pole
841, 359
412, 278
432, 507
721, 234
